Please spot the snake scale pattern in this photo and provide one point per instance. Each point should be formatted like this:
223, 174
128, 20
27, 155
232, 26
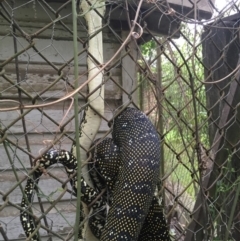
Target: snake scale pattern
128, 166
70, 163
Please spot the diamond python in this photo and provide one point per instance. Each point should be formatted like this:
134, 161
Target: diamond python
128, 166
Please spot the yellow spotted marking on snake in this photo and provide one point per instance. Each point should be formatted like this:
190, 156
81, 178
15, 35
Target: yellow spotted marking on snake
128, 165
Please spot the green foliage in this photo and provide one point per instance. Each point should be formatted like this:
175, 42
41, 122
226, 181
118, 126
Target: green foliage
226, 183
149, 48
184, 114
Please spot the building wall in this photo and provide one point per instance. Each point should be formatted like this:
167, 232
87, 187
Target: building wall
36, 75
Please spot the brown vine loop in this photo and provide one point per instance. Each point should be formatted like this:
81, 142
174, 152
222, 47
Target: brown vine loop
137, 35
171, 12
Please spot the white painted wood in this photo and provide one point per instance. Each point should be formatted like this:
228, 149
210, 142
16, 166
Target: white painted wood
40, 76
56, 51
35, 75
60, 225
41, 132
129, 72
96, 100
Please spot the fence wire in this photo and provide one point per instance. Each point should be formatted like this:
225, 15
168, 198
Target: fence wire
180, 66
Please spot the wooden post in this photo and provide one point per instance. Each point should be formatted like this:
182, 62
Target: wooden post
129, 73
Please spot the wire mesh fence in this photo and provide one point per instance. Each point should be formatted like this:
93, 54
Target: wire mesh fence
178, 62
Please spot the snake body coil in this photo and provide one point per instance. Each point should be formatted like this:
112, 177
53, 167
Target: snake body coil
104, 170
128, 166
70, 164
139, 149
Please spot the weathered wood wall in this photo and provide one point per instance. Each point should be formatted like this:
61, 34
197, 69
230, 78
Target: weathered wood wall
35, 74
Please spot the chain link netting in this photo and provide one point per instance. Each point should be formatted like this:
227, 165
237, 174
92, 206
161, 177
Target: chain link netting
179, 65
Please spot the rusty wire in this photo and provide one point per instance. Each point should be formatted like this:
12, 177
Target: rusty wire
185, 78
